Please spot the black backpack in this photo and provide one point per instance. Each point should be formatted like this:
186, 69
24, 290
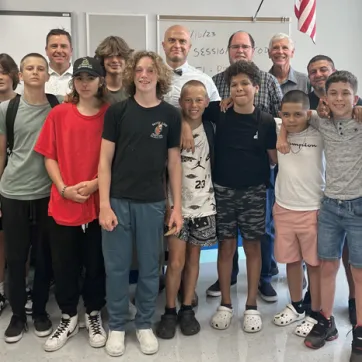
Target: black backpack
11, 115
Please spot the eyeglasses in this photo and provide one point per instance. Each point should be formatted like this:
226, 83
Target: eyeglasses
242, 46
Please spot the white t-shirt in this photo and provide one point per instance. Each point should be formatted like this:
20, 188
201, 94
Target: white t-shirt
198, 199
301, 177
59, 84
190, 73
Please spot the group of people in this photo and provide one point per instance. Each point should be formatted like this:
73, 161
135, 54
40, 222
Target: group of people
122, 150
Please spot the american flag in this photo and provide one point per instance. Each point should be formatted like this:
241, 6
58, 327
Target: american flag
305, 11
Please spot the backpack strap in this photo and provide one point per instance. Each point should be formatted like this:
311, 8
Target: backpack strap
52, 99
10, 121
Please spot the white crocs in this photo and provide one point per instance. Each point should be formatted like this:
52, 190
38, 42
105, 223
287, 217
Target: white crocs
222, 318
287, 316
252, 321
303, 329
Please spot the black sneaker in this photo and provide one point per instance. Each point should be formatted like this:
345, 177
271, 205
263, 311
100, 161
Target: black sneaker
16, 329
274, 271
43, 326
356, 355
352, 311
3, 303
214, 290
188, 323
166, 328
267, 292
29, 302
324, 330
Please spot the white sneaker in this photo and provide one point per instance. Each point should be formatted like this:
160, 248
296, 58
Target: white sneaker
68, 327
132, 311
29, 302
97, 335
115, 343
148, 341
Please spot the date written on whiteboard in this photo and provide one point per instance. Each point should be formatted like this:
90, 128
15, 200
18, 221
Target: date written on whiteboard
204, 52
202, 34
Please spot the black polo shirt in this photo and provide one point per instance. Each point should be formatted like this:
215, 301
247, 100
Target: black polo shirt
142, 137
241, 144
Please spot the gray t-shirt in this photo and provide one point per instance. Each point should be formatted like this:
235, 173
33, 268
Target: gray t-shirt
116, 96
343, 152
25, 176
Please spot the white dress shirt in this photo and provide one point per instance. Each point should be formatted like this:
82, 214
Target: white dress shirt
190, 73
59, 84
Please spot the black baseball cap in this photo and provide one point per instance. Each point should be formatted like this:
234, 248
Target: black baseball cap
88, 65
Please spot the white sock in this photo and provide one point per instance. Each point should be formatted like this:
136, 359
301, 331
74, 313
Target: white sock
2, 288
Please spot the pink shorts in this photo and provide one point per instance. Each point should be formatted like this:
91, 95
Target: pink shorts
295, 236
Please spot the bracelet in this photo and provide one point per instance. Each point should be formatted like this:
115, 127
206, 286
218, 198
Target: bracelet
63, 190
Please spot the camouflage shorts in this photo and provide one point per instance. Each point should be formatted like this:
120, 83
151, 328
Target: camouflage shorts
200, 231
240, 209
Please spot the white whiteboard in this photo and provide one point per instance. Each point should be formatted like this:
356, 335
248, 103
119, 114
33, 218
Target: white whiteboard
27, 30
132, 28
210, 35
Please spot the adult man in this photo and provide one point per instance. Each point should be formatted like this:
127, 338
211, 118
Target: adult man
281, 51
319, 69
59, 51
113, 52
25, 189
241, 46
177, 45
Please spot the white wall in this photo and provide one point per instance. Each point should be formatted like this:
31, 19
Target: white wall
339, 26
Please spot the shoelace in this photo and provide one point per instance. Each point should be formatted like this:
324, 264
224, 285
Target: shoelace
63, 326
95, 324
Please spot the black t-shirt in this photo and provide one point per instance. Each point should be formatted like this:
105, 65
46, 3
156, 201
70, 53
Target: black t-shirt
314, 100
241, 144
142, 137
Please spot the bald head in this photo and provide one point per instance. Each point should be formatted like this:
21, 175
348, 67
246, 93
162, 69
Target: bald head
176, 45
177, 29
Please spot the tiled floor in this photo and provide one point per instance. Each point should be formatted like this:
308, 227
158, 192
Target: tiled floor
272, 344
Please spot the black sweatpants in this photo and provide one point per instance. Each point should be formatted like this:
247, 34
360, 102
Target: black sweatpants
26, 223
64, 244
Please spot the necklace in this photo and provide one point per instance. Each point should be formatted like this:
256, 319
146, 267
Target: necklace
300, 146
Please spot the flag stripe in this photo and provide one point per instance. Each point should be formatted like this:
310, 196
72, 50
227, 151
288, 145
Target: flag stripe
305, 11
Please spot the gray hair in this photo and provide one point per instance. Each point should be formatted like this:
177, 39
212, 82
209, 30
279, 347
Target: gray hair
280, 36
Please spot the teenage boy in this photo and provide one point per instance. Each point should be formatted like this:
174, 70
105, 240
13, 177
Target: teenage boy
25, 189
113, 52
298, 190
340, 214
198, 211
9, 80
140, 135
244, 144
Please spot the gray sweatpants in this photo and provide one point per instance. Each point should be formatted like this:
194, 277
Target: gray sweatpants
143, 224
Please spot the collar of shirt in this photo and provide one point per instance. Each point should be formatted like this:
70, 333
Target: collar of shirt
184, 67
291, 76
68, 71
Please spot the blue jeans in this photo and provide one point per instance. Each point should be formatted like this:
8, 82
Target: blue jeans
267, 240
143, 223
338, 219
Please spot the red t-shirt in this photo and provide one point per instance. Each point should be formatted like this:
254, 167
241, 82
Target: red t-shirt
74, 141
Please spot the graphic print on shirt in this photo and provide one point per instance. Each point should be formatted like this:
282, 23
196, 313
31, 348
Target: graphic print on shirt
198, 198
157, 132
